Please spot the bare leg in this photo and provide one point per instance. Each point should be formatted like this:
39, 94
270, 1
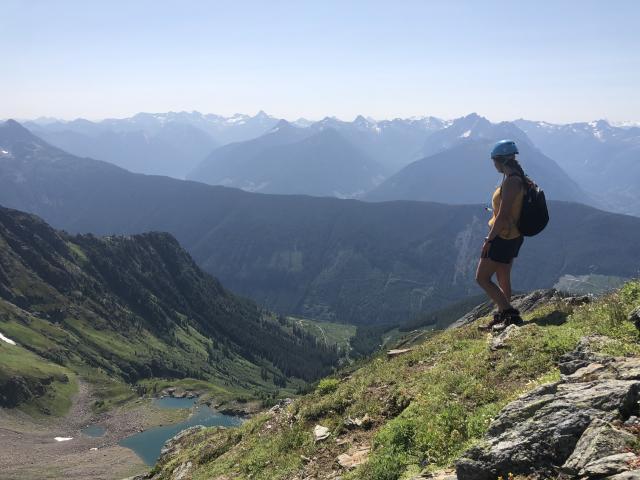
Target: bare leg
486, 269
503, 274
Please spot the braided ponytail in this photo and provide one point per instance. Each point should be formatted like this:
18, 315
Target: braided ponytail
515, 164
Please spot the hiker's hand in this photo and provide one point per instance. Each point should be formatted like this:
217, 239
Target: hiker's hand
485, 250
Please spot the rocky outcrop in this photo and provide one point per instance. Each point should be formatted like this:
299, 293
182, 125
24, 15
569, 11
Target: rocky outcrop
170, 450
17, 389
572, 428
524, 303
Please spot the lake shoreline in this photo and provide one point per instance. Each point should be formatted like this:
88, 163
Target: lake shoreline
30, 450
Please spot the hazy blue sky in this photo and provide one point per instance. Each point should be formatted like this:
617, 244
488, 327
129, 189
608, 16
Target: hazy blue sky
553, 60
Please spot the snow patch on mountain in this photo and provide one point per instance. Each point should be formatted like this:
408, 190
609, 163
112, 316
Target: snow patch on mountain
7, 340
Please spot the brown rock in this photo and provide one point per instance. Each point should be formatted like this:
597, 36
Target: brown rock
353, 458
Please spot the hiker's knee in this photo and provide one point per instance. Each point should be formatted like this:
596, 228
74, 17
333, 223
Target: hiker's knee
482, 279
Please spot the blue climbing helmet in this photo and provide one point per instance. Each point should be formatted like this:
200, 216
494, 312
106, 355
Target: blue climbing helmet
504, 148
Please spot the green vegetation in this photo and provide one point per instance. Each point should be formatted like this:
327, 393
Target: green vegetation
426, 406
331, 333
47, 387
327, 385
124, 312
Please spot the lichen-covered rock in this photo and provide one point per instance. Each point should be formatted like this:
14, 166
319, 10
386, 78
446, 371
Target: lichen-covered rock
630, 475
566, 423
609, 465
599, 440
582, 356
500, 340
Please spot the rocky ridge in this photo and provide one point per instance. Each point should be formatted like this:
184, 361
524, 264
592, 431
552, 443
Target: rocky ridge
584, 424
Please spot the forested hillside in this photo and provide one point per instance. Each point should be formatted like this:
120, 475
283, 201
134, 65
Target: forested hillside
135, 308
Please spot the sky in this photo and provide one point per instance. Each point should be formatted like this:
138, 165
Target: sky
559, 61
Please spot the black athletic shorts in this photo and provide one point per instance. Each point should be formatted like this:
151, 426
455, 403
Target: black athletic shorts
503, 251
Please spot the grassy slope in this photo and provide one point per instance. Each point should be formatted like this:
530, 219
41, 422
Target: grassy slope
92, 307
234, 376
427, 406
331, 333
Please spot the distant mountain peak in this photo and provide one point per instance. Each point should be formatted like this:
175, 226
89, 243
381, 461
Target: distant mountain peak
282, 125
11, 131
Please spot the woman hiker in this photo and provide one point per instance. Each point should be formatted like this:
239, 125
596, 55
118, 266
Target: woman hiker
504, 240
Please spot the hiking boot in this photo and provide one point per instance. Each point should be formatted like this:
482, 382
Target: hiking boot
511, 316
497, 319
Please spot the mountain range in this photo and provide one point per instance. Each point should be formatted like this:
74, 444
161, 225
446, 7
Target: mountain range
325, 258
162, 144
604, 159
403, 159
458, 170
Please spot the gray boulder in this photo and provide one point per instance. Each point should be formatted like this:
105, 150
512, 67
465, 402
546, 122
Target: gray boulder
596, 443
562, 427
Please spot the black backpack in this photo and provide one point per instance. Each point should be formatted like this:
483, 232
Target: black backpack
534, 215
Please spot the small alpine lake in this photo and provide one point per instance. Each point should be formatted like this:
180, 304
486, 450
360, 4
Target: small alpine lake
172, 402
148, 444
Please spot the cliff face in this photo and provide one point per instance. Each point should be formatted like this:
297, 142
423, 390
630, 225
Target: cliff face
556, 397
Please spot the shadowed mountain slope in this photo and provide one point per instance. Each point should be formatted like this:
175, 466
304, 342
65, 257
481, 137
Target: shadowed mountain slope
320, 257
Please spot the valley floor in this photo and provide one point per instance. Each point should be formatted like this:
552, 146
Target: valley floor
29, 449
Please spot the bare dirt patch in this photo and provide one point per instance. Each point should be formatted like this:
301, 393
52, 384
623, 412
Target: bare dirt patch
29, 450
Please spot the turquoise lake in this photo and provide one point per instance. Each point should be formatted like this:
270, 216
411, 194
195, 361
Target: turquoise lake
170, 402
148, 444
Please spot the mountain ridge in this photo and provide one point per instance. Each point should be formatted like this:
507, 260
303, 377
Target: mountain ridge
315, 257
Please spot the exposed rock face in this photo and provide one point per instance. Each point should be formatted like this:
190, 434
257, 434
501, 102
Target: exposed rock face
564, 428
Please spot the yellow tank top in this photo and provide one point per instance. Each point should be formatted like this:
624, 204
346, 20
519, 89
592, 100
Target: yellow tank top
511, 231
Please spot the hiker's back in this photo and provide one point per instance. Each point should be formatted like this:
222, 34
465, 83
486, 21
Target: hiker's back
511, 231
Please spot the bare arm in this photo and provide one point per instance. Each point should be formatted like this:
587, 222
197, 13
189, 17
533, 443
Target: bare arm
510, 189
